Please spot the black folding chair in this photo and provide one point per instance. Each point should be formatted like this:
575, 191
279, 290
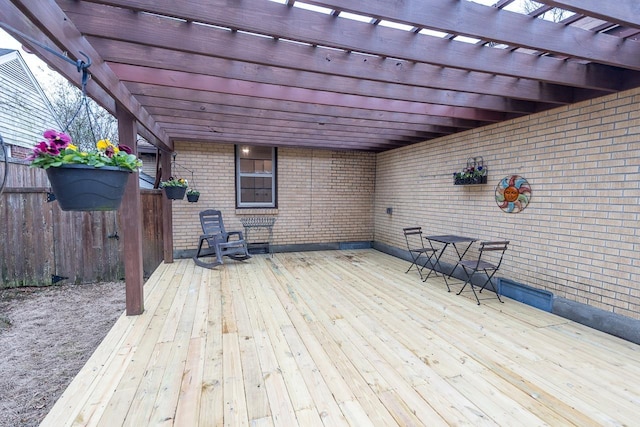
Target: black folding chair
219, 241
418, 250
481, 265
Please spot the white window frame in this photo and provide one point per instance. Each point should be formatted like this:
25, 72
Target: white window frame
240, 175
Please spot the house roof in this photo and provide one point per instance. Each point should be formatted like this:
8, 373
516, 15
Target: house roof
340, 74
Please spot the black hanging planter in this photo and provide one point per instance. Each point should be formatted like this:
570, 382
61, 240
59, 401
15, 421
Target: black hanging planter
79, 187
193, 198
175, 193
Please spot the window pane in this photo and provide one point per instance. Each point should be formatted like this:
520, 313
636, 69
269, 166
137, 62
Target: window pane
255, 189
246, 166
255, 176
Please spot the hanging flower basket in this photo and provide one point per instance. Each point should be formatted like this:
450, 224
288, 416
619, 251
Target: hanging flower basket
84, 180
175, 193
174, 188
193, 195
80, 187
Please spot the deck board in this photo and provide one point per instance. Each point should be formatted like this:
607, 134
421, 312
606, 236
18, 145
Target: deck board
339, 338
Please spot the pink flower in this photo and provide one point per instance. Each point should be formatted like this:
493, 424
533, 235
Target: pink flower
60, 139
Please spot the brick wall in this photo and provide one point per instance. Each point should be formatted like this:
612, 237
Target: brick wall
579, 237
323, 196
18, 152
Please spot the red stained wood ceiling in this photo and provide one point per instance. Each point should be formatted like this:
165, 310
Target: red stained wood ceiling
338, 74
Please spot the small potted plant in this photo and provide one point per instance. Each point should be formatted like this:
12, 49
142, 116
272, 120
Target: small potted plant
84, 180
174, 188
193, 195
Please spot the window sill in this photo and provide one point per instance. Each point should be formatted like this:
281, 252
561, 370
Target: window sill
257, 211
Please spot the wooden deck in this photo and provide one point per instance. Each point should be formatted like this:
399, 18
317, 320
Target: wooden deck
344, 338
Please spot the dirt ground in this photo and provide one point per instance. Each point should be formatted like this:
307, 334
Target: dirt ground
46, 336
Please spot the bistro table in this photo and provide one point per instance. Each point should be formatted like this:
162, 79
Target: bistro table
446, 240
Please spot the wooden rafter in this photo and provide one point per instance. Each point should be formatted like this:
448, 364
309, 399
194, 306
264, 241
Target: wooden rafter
199, 43
625, 12
264, 17
159, 58
514, 29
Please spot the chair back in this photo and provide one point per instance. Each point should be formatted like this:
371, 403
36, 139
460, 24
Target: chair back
497, 246
211, 221
413, 236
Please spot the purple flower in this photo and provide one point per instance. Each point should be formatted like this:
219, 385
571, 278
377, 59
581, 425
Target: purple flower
125, 148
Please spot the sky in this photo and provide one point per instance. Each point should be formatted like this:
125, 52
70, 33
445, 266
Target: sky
40, 70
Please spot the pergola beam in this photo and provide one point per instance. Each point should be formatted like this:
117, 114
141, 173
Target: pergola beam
372, 127
189, 100
184, 43
263, 17
131, 73
625, 12
515, 29
235, 70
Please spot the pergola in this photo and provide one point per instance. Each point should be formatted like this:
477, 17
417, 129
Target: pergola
368, 75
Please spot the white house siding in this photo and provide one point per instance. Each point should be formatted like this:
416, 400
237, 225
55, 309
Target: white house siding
25, 111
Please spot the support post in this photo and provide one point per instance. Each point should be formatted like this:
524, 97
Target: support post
167, 211
130, 213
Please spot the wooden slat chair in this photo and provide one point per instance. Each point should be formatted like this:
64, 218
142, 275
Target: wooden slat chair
220, 242
481, 265
418, 250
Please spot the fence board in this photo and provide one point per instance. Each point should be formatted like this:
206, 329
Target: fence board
21, 175
25, 248
38, 239
152, 241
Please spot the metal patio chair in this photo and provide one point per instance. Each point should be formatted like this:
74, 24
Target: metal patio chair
481, 265
418, 250
219, 242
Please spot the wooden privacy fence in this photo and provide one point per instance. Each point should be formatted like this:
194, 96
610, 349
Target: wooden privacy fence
41, 244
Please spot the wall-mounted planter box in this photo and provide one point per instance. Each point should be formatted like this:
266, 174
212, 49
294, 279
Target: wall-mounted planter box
474, 173
470, 181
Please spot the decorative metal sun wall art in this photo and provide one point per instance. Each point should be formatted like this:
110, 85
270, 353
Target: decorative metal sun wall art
513, 193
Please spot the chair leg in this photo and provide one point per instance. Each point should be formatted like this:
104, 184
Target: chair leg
489, 282
472, 288
432, 268
468, 281
415, 262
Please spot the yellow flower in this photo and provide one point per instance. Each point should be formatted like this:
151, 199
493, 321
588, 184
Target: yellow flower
103, 144
72, 147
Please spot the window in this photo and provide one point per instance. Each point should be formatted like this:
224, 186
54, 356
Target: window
255, 177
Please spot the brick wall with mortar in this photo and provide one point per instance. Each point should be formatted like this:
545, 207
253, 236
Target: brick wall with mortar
579, 237
323, 196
